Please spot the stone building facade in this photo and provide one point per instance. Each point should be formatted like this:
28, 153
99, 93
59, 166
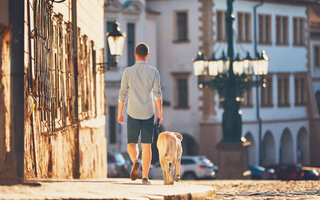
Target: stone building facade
289, 124
52, 143
289, 131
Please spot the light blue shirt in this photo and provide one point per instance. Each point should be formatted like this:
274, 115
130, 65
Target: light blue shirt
141, 84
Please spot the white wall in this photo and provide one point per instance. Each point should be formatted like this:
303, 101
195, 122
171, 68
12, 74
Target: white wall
177, 57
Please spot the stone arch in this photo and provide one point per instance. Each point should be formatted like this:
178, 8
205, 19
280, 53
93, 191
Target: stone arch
189, 145
286, 147
268, 149
252, 149
303, 146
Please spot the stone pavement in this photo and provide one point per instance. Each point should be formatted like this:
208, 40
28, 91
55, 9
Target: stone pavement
262, 189
104, 189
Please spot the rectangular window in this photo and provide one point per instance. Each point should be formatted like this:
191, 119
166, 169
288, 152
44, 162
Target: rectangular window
266, 93
298, 31
221, 26
181, 26
316, 51
265, 29
244, 27
110, 58
112, 124
182, 93
181, 90
282, 30
247, 29
131, 43
283, 91
300, 90
247, 98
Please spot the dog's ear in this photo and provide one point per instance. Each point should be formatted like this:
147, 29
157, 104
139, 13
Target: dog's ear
178, 135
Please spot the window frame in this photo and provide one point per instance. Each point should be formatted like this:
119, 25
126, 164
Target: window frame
244, 27
112, 133
176, 26
266, 94
265, 36
283, 90
221, 30
298, 24
282, 30
315, 57
178, 76
300, 90
129, 61
247, 97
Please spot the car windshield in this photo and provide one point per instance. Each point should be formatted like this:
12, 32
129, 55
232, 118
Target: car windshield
119, 158
116, 158
206, 161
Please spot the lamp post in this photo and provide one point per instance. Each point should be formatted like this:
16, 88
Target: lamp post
115, 41
231, 76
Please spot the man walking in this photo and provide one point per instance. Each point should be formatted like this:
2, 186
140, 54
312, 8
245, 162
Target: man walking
142, 81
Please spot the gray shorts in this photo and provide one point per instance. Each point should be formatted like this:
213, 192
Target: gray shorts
135, 126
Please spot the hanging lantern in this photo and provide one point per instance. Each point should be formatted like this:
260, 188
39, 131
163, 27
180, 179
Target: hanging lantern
199, 65
215, 66
116, 40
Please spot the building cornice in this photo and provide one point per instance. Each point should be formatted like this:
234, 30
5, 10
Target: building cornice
289, 2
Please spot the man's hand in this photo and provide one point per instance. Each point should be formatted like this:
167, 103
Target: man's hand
159, 109
120, 118
160, 117
120, 115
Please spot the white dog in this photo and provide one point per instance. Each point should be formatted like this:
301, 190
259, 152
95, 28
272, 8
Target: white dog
170, 151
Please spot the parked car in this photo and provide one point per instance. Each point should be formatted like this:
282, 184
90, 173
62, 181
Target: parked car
258, 172
286, 171
192, 167
117, 166
309, 175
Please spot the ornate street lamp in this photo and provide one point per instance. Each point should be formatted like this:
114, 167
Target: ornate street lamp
231, 76
115, 41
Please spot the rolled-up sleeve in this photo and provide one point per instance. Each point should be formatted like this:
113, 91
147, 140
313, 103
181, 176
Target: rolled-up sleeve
123, 92
157, 93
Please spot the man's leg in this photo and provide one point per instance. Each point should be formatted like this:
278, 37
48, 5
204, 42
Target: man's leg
146, 159
133, 130
146, 140
133, 151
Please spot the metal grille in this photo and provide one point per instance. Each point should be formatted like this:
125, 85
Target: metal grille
53, 73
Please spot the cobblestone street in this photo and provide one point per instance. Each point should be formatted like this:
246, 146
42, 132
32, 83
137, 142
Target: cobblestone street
249, 189
126, 189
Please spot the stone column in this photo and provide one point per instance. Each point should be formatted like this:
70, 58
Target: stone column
210, 131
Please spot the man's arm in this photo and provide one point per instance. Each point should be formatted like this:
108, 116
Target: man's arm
120, 115
123, 92
157, 93
159, 108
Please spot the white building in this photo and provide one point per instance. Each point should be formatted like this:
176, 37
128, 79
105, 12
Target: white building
179, 29
314, 16
282, 31
139, 24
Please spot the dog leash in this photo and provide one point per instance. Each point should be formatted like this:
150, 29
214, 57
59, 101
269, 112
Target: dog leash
158, 126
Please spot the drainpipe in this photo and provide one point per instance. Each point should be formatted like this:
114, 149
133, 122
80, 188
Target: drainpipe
257, 88
76, 172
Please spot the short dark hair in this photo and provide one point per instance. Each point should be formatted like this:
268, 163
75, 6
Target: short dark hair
142, 50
